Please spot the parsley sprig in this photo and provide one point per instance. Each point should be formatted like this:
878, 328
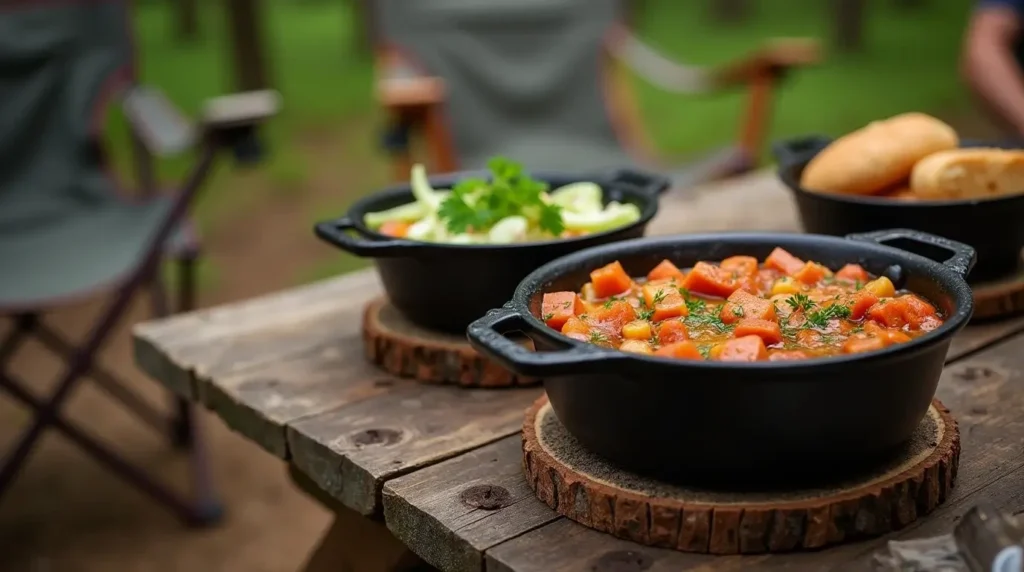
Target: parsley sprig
475, 204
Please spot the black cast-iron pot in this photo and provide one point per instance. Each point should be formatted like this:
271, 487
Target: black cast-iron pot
994, 227
739, 423
446, 286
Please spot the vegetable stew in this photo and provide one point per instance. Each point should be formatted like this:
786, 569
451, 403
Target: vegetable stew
740, 309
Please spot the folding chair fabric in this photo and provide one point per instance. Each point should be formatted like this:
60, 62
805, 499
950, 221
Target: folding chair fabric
523, 77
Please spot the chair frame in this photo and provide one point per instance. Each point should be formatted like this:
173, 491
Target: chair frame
413, 100
157, 129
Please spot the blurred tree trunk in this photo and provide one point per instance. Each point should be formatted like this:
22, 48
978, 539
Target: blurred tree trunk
186, 20
849, 16
730, 11
245, 30
364, 26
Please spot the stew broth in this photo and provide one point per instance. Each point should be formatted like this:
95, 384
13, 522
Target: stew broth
740, 309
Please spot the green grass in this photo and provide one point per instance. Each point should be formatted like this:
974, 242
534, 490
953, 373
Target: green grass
909, 64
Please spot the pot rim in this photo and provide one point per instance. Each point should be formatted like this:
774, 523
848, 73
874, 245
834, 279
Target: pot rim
645, 187
954, 282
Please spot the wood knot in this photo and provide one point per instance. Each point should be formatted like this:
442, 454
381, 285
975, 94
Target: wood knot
372, 437
622, 561
486, 497
975, 373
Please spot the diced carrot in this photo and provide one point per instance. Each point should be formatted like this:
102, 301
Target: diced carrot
787, 355
919, 307
679, 350
395, 228
859, 303
665, 300
740, 265
768, 330
710, 280
610, 280
894, 336
672, 331
783, 261
612, 316
747, 348
575, 326
743, 304
853, 273
811, 273
906, 310
558, 307
665, 270
860, 345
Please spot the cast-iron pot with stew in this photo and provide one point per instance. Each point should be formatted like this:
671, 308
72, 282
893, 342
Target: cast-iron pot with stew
446, 286
752, 423
993, 227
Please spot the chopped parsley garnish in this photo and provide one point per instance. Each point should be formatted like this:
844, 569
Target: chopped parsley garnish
659, 296
548, 316
477, 204
821, 318
597, 337
800, 302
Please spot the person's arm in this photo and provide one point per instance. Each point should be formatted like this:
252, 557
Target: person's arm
989, 64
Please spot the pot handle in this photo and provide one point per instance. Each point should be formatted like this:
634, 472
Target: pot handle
488, 335
336, 232
961, 257
793, 151
647, 183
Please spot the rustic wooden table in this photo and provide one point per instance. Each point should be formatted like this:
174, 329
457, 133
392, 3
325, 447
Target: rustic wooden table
394, 458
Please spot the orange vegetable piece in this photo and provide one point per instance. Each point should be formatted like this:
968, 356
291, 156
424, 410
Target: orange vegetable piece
558, 307
906, 310
783, 261
574, 326
747, 348
768, 330
860, 302
811, 273
787, 355
613, 315
742, 266
665, 270
610, 280
679, 350
710, 280
672, 331
860, 345
395, 228
853, 273
743, 304
665, 300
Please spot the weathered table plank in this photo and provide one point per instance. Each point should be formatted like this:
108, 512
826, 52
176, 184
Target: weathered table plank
985, 391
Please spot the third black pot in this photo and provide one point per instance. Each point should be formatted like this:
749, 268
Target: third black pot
994, 227
738, 423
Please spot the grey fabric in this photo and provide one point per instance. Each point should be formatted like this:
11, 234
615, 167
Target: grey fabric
523, 77
63, 227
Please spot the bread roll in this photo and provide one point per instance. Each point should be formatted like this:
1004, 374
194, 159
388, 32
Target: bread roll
969, 174
874, 158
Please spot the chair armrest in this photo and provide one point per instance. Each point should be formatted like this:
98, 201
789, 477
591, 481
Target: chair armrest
159, 125
774, 57
399, 85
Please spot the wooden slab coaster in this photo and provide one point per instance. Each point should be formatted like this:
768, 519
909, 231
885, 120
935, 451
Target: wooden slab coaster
999, 298
404, 349
590, 491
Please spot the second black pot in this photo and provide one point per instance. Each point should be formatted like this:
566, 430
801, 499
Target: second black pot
444, 287
738, 423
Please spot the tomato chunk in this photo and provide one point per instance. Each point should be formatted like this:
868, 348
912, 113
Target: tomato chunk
671, 331
710, 280
811, 273
853, 273
558, 307
611, 317
747, 348
743, 304
905, 310
610, 280
783, 261
860, 302
679, 350
665, 300
768, 330
665, 270
740, 265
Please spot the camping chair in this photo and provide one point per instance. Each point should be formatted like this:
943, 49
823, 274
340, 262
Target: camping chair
67, 233
544, 82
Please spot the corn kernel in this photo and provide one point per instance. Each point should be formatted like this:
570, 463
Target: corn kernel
636, 346
637, 330
785, 285
881, 287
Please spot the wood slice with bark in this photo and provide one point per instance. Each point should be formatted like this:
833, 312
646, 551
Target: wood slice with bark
999, 298
583, 487
407, 350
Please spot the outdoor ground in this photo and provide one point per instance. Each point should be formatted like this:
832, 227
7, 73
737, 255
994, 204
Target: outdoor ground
67, 514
